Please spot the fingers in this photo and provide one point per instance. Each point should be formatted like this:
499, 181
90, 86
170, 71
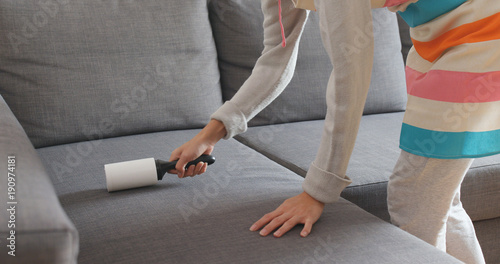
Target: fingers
287, 226
272, 221
181, 164
203, 168
283, 223
275, 223
307, 228
193, 170
174, 156
300, 209
189, 151
263, 221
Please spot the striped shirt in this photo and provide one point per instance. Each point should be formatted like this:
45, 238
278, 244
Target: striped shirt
453, 79
453, 76
394, 5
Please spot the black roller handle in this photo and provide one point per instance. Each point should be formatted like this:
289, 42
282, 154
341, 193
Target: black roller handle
163, 166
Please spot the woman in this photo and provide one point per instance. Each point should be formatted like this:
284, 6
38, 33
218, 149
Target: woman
444, 125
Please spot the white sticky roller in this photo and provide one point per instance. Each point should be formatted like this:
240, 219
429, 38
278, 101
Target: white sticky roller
131, 174
142, 172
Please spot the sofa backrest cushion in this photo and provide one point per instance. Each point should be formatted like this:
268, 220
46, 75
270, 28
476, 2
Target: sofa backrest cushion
404, 31
78, 70
238, 32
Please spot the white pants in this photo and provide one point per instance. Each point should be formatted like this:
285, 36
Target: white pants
424, 200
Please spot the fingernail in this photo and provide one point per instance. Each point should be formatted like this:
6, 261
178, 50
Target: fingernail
253, 228
179, 175
303, 234
262, 232
277, 233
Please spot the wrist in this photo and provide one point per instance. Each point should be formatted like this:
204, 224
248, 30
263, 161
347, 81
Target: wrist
312, 198
213, 131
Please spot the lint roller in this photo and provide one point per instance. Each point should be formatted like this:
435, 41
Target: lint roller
142, 172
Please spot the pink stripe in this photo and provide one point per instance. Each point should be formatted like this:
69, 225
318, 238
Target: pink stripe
394, 2
454, 87
283, 42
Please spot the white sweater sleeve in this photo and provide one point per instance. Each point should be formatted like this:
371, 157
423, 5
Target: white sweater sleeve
273, 70
346, 28
347, 37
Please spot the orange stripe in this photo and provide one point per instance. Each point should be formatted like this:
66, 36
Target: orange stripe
482, 30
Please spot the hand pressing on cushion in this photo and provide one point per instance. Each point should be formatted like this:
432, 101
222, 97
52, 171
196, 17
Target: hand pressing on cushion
300, 209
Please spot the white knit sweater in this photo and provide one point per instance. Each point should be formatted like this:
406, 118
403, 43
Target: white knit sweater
346, 91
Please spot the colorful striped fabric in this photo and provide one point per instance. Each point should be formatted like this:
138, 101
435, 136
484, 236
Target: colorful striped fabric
309, 4
453, 79
426, 10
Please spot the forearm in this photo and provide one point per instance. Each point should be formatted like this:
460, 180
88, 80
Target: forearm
342, 23
273, 70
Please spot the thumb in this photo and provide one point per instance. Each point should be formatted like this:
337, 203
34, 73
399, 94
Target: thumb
174, 156
181, 164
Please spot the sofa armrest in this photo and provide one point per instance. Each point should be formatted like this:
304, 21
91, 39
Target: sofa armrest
32, 222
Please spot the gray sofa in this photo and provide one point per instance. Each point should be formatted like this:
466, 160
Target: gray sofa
86, 83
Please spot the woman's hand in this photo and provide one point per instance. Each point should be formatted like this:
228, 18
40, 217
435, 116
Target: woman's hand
300, 209
202, 143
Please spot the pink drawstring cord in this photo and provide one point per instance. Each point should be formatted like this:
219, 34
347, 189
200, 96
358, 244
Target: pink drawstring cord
283, 43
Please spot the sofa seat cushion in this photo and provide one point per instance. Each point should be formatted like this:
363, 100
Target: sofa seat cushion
80, 70
206, 219
238, 33
376, 151
488, 234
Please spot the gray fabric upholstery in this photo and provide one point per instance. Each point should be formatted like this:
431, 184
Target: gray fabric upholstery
43, 232
206, 219
78, 70
294, 145
404, 32
480, 189
73, 70
488, 234
238, 33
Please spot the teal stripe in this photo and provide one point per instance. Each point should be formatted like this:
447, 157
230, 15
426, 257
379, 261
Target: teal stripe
449, 145
424, 11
